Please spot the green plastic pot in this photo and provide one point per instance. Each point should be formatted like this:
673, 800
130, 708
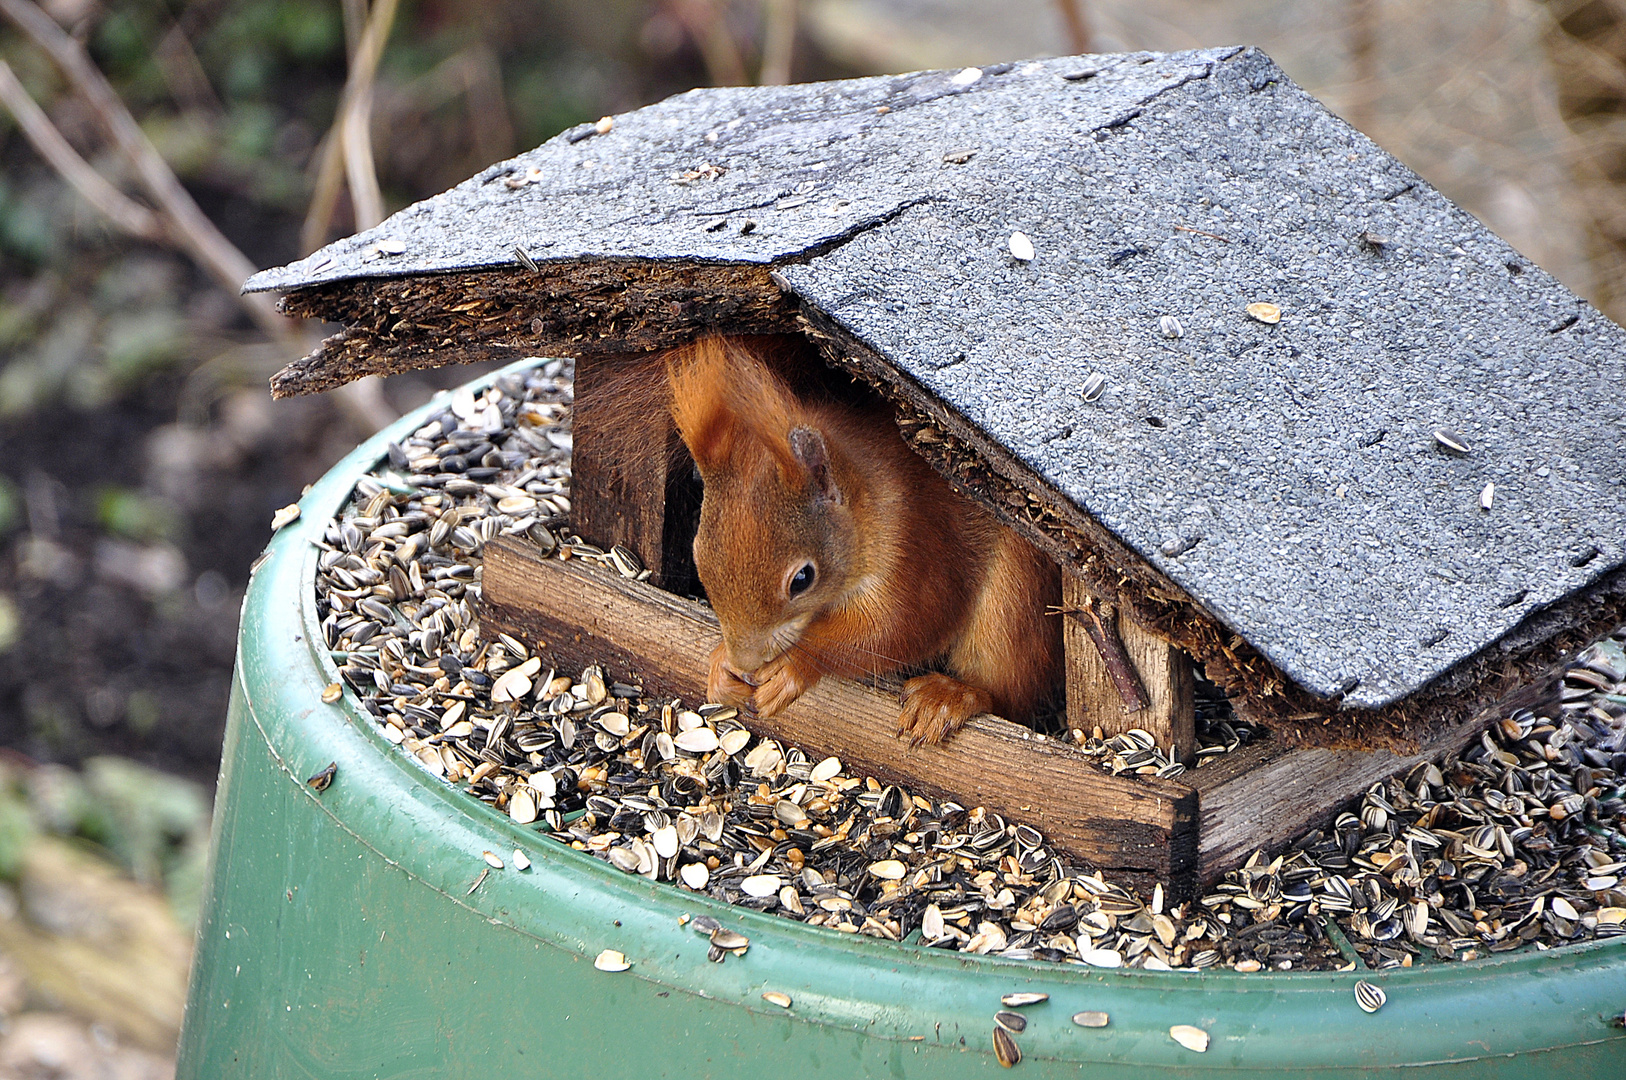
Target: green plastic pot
349, 933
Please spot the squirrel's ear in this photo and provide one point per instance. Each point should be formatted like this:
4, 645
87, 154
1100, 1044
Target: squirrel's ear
698, 379
808, 446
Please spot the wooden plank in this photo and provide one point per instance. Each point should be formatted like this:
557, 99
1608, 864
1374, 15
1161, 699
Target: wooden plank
1143, 828
1266, 794
631, 484
1096, 690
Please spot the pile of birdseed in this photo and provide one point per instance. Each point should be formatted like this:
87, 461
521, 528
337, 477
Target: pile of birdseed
1517, 843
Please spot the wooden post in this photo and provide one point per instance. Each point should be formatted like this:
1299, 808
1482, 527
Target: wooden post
631, 481
1120, 675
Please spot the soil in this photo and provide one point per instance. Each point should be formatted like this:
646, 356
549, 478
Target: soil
126, 643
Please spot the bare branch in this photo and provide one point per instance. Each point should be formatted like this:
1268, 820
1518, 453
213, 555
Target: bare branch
346, 153
187, 225
706, 24
355, 19
124, 212
329, 154
357, 116
1363, 55
1079, 38
179, 220
488, 109
778, 41
183, 72
356, 136
324, 192
473, 74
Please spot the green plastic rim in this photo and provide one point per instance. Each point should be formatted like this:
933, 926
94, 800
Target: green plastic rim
358, 932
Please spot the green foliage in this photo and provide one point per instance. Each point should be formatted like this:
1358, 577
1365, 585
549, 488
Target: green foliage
545, 101
130, 514
154, 825
137, 342
148, 818
11, 507
25, 226
16, 830
253, 43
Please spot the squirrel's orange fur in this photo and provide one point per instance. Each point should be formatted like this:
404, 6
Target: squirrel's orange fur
828, 547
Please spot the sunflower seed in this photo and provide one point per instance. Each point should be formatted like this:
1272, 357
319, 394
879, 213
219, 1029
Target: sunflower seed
1026, 997
1450, 440
1005, 1048
725, 938
700, 740
1369, 997
1013, 1022
760, 885
611, 960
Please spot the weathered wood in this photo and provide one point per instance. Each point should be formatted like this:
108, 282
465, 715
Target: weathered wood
629, 485
1144, 828
1097, 679
1264, 795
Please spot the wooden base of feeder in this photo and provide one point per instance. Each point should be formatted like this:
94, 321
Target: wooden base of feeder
1183, 833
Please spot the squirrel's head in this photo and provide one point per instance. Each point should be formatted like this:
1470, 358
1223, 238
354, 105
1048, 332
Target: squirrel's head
774, 548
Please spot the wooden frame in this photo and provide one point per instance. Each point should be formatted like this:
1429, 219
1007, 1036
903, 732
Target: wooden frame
630, 487
1183, 833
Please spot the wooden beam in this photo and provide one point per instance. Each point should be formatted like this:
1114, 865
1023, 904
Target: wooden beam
630, 481
1266, 794
1109, 656
1143, 828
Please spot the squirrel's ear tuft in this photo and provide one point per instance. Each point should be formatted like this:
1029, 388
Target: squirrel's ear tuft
807, 444
702, 405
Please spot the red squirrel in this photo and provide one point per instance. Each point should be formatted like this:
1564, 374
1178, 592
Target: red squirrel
828, 547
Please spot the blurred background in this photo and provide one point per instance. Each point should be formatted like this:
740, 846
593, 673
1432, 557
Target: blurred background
154, 152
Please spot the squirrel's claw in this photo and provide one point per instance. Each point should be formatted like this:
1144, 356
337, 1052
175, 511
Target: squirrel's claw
936, 706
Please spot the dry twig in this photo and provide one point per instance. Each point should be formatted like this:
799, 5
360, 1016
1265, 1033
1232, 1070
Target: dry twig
178, 218
1079, 39
707, 23
346, 153
778, 41
124, 212
187, 225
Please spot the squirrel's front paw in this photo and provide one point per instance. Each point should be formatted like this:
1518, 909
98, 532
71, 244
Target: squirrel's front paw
725, 685
781, 681
935, 706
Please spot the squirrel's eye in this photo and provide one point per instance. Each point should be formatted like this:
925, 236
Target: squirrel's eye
803, 580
